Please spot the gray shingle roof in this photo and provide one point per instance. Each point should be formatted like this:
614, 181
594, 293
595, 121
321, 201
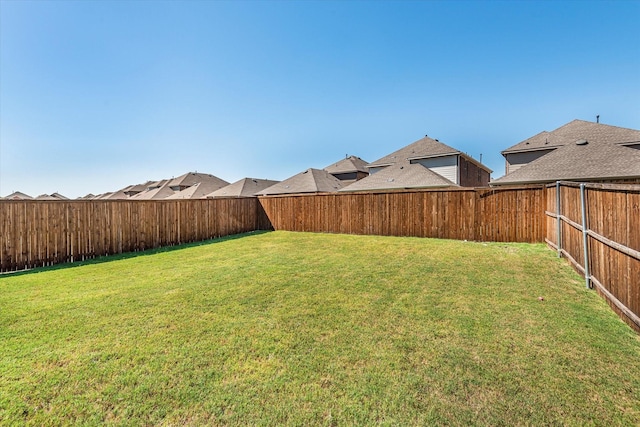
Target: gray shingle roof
191, 178
421, 149
199, 190
573, 131
54, 196
159, 190
17, 195
246, 187
592, 161
424, 148
309, 181
349, 164
400, 175
45, 197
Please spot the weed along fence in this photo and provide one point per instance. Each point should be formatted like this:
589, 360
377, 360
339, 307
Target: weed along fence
597, 227
507, 215
39, 233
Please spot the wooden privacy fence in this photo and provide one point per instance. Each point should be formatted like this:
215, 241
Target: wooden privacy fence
597, 227
506, 215
39, 233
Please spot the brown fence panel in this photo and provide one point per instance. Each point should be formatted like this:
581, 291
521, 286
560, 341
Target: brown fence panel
612, 214
464, 214
37, 233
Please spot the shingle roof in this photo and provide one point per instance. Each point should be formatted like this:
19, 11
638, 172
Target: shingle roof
246, 187
573, 131
17, 195
114, 195
132, 190
191, 178
349, 164
199, 190
424, 148
309, 181
400, 175
45, 197
421, 149
160, 190
54, 196
592, 161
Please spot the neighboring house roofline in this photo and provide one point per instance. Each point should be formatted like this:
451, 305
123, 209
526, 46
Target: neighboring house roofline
528, 150
572, 131
433, 156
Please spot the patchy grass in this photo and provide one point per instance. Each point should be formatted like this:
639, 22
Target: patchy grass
296, 328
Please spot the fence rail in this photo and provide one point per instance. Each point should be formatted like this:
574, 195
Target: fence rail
597, 228
40, 233
507, 215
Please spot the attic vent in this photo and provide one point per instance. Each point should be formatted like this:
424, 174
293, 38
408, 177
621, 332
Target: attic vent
582, 142
390, 180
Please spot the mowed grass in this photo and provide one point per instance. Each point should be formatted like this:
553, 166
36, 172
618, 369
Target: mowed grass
309, 329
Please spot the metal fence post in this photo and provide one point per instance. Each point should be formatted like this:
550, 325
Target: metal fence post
558, 223
585, 236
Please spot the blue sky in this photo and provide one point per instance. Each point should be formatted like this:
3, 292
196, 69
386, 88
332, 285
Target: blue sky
96, 95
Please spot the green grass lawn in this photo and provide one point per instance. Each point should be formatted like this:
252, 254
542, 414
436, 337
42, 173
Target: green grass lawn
311, 329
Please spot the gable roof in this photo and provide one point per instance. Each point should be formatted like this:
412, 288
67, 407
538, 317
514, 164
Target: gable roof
54, 196
588, 162
573, 131
348, 164
132, 190
17, 195
158, 190
45, 197
190, 178
246, 187
309, 181
420, 149
401, 175
424, 148
199, 190
114, 195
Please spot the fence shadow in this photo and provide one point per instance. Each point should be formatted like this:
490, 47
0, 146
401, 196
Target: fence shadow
128, 255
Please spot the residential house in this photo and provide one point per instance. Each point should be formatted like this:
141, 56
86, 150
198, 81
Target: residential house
17, 195
54, 196
452, 164
191, 178
401, 175
577, 151
156, 190
246, 187
194, 185
349, 170
309, 181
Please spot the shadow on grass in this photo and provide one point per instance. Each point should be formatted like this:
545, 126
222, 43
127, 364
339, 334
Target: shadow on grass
127, 255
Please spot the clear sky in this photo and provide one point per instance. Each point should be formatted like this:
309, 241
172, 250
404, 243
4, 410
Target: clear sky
97, 95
